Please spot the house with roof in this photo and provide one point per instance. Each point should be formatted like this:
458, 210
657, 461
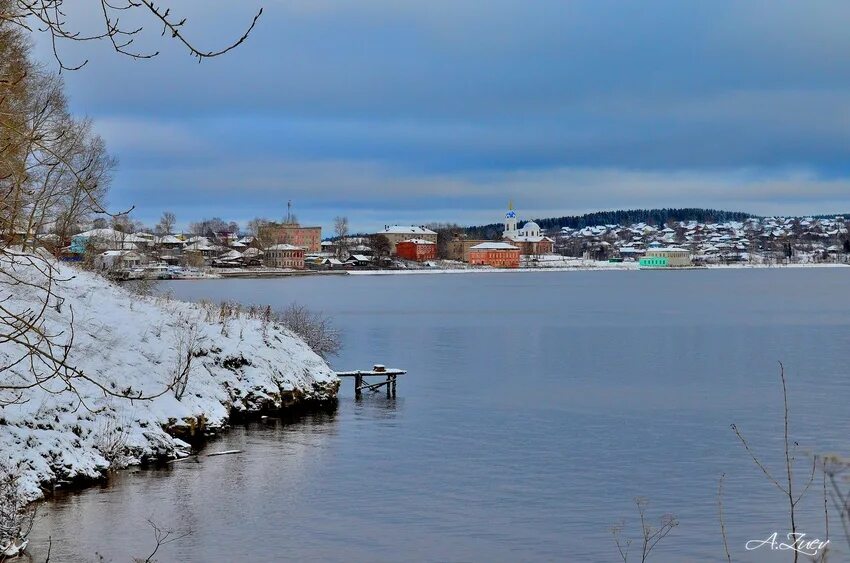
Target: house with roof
495, 254
417, 249
398, 233
284, 256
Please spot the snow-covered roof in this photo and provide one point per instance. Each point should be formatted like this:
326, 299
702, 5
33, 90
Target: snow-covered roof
669, 249
169, 239
119, 253
529, 238
201, 245
418, 241
232, 255
494, 246
284, 247
110, 234
405, 230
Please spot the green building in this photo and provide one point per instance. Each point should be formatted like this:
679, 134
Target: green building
654, 262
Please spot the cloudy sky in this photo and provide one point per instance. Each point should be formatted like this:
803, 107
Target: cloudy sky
403, 111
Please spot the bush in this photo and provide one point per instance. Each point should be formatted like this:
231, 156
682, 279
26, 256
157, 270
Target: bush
314, 328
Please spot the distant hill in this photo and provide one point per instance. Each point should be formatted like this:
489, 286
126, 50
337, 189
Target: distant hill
619, 217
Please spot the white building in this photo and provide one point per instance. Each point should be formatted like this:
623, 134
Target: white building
529, 238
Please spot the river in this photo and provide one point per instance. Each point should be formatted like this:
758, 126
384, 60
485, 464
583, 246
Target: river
537, 407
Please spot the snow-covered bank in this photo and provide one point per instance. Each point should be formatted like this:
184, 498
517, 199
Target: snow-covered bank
587, 266
577, 265
133, 346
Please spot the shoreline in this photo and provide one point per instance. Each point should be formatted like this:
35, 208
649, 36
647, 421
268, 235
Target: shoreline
592, 268
588, 267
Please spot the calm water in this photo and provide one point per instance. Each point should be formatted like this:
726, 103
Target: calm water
538, 407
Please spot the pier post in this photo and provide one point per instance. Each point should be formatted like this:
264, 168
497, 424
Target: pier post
358, 381
389, 390
393, 384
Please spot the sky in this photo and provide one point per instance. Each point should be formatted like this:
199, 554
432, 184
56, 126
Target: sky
410, 112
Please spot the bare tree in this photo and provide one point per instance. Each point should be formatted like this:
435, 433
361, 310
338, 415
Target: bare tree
786, 487
341, 236
381, 248
51, 17
166, 223
53, 171
255, 224
445, 233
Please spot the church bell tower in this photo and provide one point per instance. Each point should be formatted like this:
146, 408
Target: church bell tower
510, 222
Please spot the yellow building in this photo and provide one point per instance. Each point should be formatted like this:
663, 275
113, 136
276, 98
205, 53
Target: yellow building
669, 257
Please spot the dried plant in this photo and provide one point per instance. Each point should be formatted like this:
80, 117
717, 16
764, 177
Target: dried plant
786, 485
16, 516
314, 328
651, 535
162, 536
188, 338
111, 441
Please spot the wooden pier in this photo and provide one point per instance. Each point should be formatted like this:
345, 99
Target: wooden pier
388, 376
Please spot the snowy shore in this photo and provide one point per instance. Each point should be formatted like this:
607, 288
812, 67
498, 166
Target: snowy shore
582, 266
132, 345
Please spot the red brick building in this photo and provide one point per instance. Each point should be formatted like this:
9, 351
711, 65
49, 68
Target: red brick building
308, 238
495, 254
420, 250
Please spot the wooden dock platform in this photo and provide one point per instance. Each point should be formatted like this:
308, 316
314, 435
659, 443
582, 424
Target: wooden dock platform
389, 376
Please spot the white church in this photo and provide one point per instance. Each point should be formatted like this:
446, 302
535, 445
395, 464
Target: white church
529, 238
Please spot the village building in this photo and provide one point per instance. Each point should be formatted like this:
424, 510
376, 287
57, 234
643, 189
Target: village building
285, 256
358, 261
398, 233
666, 257
495, 254
458, 248
117, 260
419, 250
105, 239
308, 238
529, 239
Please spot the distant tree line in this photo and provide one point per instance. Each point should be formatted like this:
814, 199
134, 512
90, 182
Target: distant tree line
620, 217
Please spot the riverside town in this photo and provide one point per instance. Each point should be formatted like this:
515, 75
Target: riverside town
216, 248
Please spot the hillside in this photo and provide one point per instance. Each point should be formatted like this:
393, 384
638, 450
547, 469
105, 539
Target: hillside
619, 217
132, 345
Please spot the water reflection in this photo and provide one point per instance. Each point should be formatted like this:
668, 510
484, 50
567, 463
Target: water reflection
535, 409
